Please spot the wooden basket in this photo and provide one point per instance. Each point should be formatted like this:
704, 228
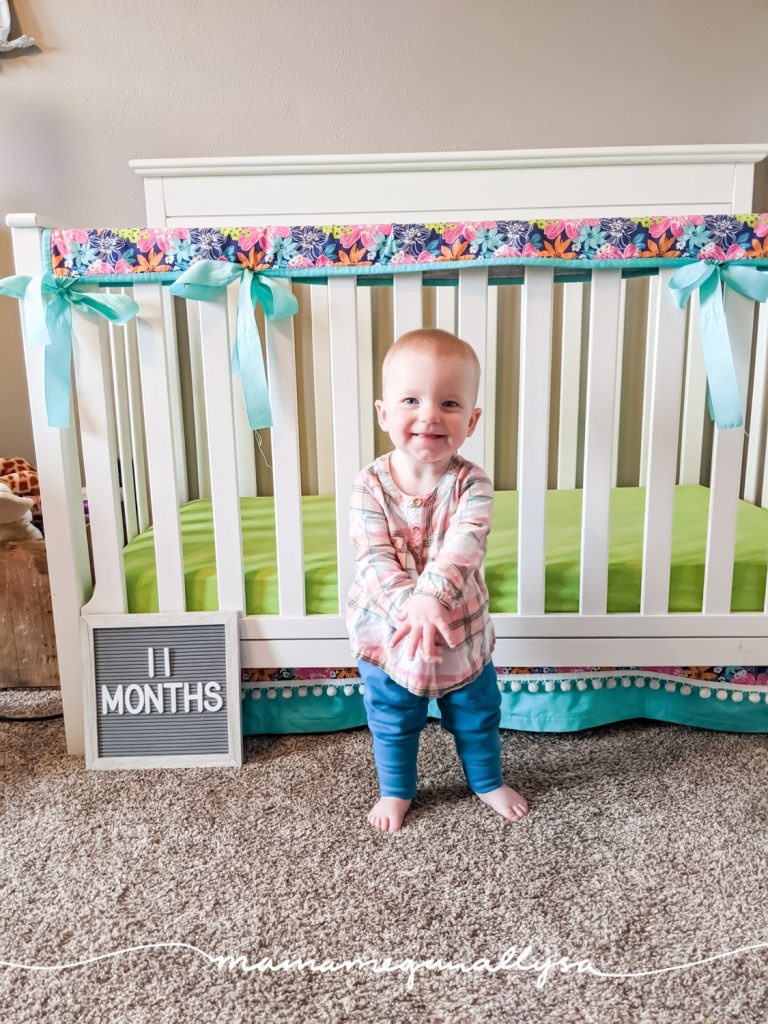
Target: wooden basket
27, 640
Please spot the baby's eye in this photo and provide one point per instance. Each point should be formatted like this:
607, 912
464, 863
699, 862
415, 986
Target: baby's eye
407, 401
451, 403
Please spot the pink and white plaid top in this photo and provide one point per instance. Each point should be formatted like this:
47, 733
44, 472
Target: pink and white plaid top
428, 544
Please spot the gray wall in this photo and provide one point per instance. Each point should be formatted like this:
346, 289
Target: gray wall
112, 81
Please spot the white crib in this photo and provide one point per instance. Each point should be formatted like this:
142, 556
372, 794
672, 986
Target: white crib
159, 421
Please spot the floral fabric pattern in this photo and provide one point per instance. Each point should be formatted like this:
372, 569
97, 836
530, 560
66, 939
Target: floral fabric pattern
737, 675
97, 253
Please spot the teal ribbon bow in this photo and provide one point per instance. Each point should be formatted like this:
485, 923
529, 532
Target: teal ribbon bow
706, 275
206, 281
48, 300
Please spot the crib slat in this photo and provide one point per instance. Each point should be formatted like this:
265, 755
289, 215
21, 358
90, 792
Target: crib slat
246, 458
202, 460
763, 347
473, 328
570, 372
598, 442
650, 334
286, 464
174, 390
321, 369
408, 304
364, 375
136, 424
97, 442
225, 498
488, 401
756, 449
445, 308
666, 357
158, 424
117, 342
727, 451
342, 308
694, 399
619, 368
58, 465
535, 366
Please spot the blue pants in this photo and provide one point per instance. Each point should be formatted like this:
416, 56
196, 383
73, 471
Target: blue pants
396, 717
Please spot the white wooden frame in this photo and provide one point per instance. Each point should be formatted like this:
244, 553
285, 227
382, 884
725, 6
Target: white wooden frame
378, 188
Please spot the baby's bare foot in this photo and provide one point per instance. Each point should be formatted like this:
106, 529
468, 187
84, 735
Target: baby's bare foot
507, 802
387, 815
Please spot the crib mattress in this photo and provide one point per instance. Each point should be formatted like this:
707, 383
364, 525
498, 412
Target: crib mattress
563, 539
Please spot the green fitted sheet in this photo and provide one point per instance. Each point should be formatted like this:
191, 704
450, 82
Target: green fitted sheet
563, 546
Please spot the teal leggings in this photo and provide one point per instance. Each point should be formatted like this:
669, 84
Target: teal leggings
396, 717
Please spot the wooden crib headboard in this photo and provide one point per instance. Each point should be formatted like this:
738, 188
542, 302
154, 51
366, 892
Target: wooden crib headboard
359, 188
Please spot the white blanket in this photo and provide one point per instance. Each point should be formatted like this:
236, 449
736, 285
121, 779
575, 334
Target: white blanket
5, 28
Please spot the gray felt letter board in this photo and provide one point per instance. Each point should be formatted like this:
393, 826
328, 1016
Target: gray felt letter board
163, 690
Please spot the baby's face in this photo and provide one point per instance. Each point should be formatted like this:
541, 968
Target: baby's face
428, 408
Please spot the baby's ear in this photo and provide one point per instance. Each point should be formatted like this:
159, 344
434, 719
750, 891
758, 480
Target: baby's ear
476, 414
381, 413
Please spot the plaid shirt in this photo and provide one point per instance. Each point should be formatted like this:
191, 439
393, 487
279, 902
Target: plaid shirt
428, 544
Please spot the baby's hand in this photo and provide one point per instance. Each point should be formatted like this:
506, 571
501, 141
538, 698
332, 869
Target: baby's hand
422, 616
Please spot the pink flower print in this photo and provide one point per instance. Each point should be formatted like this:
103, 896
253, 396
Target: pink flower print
403, 257
608, 252
162, 238
529, 249
711, 251
367, 233
425, 257
263, 236
122, 267
469, 229
99, 267
735, 252
761, 227
322, 261
250, 239
453, 232
745, 678
63, 240
572, 228
271, 233
668, 670
631, 251
300, 261
506, 251
675, 225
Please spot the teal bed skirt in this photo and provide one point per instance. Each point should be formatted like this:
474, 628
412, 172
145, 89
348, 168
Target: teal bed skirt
730, 699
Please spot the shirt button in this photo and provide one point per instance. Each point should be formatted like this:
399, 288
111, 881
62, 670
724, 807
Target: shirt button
417, 534
417, 502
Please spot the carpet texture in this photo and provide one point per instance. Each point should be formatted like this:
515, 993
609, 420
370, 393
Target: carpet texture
646, 847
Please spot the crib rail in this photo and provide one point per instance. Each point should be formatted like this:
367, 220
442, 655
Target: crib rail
558, 360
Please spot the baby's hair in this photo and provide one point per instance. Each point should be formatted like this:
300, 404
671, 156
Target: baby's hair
434, 342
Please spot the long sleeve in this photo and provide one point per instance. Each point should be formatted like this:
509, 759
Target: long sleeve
463, 548
385, 581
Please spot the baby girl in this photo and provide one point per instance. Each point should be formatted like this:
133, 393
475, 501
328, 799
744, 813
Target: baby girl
417, 611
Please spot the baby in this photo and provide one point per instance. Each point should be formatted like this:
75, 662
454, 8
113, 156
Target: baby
417, 611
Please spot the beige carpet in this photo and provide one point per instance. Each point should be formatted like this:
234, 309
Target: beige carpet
646, 848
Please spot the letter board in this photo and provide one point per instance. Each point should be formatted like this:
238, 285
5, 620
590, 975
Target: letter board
163, 690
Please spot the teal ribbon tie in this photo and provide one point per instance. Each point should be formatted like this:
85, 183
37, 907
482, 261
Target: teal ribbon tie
723, 388
48, 300
207, 281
